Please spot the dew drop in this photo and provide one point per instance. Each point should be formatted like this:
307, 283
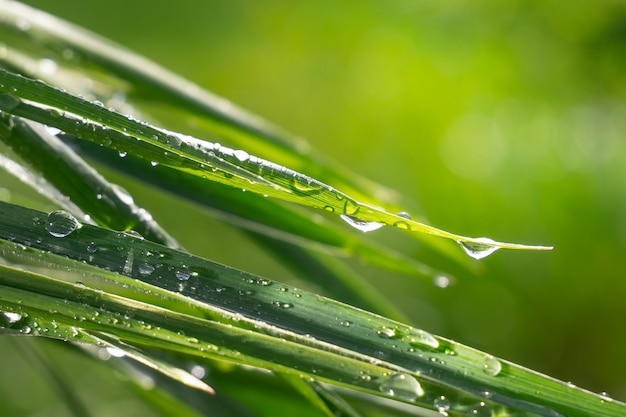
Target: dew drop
91, 247
386, 332
154, 163
345, 323
421, 338
11, 317
363, 226
305, 185
8, 102
402, 386
241, 155
480, 248
122, 154
61, 223
405, 215
350, 207
441, 281
145, 269
183, 273
492, 366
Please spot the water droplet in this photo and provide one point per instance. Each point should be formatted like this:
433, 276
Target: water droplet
241, 155
154, 163
363, 226
145, 269
198, 371
480, 248
183, 273
421, 338
482, 409
345, 323
282, 305
442, 405
61, 223
8, 102
91, 247
405, 215
402, 386
492, 366
350, 207
305, 185
11, 317
134, 233
441, 281
48, 66
386, 332
122, 154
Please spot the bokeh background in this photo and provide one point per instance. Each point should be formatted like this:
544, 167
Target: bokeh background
499, 119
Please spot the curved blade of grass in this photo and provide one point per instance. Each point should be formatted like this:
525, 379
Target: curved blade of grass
248, 319
153, 83
212, 161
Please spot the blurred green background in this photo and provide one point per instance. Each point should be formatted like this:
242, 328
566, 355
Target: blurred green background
499, 119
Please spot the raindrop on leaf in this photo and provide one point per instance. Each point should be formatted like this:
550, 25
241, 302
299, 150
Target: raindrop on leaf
480, 248
61, 223
402, 386
363, 226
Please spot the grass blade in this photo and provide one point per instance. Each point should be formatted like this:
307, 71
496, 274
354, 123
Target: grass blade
238, 312
235, 168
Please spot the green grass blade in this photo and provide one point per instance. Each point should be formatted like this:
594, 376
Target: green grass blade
232, 311
235, 168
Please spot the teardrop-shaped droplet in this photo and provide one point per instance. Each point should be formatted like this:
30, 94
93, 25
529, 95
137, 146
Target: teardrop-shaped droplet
402, 386
363, 226
480, 248
61, 223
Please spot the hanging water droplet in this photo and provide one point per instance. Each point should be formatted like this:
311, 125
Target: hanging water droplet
122, 154
183, 273
492, 366
402, 386
8, 102
480, 248
363, 226
154, 163
421, 338
61, 223
442, 405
